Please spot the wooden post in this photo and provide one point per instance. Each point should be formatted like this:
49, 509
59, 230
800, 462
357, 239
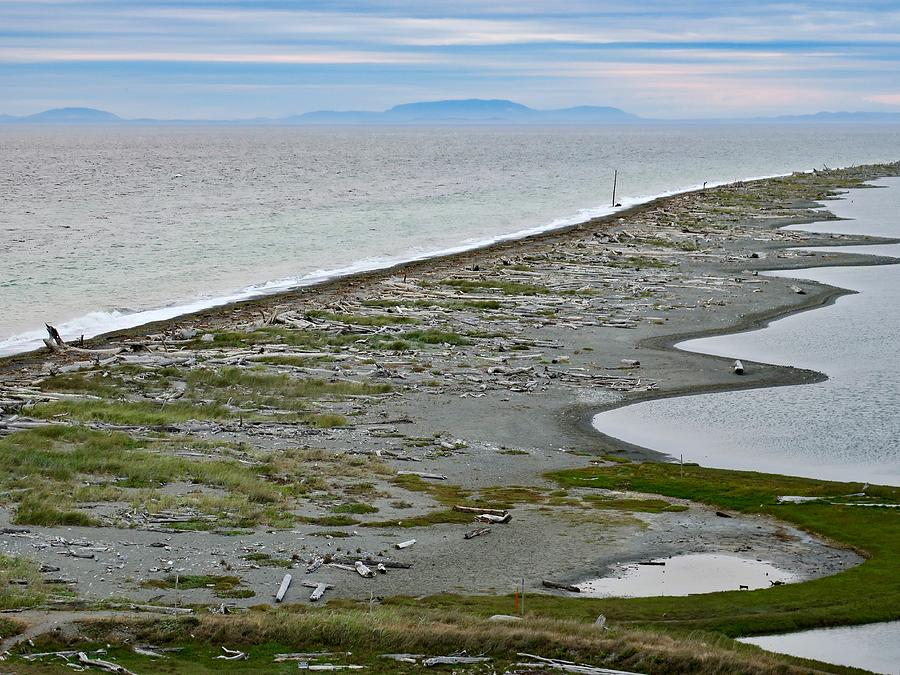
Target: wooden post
523, 597
615, 181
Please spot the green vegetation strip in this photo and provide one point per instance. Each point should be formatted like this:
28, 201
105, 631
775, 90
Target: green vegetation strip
865, 593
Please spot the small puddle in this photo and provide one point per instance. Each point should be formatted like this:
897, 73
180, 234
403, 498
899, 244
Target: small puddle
874, 646
686, 575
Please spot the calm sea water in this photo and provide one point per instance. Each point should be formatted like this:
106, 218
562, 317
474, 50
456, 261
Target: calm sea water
106, 228
846, 428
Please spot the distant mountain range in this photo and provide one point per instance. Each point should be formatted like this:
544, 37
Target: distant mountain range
463, 111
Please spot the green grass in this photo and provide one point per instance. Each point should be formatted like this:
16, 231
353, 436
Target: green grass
433, 336
245, 384
292, 360
505, 287
220, 394
635, 505
266, 560
15, 595
363, 319
849, 597
223, 586
58, 458
38, 508
131, 413
338, 520
354, 507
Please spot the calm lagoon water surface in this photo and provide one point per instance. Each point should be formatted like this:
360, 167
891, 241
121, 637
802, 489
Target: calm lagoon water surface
874, 647
847, 428
104, 228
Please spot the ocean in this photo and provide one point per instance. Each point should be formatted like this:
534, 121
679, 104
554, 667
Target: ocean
105, 228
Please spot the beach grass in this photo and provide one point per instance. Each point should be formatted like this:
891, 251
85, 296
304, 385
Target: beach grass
123, 469
351, 635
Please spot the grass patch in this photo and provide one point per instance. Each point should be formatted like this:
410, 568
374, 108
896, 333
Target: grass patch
14, 595
40, 509
354, 507
363, 319
505, 287
59, 457
639, 505
340, 520
432, 336
266, 560
220, 394
131, 413
222, 586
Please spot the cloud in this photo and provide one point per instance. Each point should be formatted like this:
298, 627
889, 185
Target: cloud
655, 56
885, 99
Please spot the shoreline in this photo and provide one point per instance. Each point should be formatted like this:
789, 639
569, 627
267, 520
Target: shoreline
483, 372
299, 283
775, 375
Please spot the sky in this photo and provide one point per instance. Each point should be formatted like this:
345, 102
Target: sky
270, 58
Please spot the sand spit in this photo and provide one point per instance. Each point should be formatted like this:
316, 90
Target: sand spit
195, 461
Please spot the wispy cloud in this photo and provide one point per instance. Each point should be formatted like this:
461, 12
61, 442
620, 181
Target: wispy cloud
656, 57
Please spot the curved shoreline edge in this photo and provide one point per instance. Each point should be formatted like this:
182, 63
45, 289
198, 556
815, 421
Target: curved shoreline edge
774, 375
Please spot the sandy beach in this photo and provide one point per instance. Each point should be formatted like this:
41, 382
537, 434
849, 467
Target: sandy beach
318, 428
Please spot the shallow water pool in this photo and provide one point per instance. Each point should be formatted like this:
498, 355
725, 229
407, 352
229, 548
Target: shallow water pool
686, 575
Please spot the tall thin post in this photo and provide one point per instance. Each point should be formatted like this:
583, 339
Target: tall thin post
615, 180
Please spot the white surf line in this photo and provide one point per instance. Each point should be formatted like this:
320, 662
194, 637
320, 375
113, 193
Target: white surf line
100, 322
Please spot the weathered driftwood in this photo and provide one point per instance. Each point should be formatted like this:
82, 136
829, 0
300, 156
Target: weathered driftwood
319, 589
567, 666
479, 510
301, 656
55, 343
363, 571
423, 474
453, 660
477, 532
403, 658
283, 588
40, 655
491, 518
232, 655
108, 666
161, 609
547, 583
77, 554
405, 544
349, 563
